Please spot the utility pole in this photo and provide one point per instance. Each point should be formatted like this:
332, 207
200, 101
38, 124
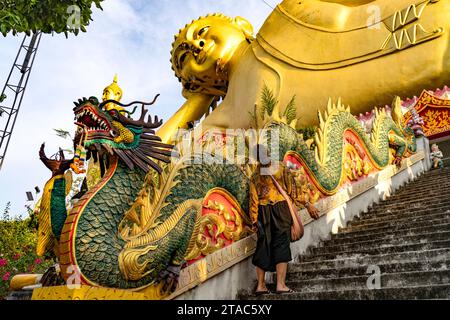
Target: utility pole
14, 89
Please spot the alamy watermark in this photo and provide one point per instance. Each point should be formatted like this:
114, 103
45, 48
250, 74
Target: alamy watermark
374, 19
74, 20
74, 278
230, 146
374, 280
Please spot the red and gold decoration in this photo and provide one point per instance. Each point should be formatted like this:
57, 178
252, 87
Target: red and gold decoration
222, 222
434, 109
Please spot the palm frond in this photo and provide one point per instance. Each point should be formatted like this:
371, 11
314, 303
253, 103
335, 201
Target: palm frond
63, 133
290, 113
268, 101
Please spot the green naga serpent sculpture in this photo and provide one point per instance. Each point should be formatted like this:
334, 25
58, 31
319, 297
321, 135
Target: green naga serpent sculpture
136, 228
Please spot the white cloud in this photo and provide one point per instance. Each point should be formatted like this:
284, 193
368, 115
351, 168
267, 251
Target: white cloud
132, 38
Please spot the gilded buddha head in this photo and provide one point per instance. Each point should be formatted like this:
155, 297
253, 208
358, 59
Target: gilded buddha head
203, 49
112, 92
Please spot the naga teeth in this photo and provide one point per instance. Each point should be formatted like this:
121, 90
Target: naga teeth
100, 123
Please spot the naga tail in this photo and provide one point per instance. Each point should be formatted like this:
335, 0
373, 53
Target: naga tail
52, 211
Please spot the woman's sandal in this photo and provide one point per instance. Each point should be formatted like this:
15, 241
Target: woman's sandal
285, 291
259, 293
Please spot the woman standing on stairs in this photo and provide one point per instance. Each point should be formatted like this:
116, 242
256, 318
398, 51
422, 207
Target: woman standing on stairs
272, 187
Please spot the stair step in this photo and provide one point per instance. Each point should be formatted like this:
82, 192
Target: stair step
444, 244
408, 292
393, 228
408, 209
387, 237
388, 214
295, 270
381, 232
395, 216
417, 199
330, 247
425, 186
364, 259
410, 204
387, 280
395, 221
413, 195
391, 214
426, 180
412, 191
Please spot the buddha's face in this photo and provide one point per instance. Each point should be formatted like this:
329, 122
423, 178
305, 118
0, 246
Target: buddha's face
203, 50
109, 94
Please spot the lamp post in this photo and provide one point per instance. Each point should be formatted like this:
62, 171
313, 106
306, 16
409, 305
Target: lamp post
31, 199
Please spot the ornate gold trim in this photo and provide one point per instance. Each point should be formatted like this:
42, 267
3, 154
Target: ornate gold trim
233, 226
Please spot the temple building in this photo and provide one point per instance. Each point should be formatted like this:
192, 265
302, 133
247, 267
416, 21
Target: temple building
433, 109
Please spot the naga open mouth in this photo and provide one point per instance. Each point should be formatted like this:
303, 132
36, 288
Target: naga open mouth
93, 124
133, 141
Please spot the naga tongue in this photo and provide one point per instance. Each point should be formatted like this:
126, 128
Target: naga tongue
88, 121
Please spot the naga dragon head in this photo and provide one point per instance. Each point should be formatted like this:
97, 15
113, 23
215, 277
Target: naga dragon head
114, 132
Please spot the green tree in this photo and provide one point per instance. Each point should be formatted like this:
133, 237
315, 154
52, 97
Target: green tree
18, 249
47, 16
6, 211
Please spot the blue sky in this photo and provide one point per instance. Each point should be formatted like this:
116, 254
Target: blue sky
131, 38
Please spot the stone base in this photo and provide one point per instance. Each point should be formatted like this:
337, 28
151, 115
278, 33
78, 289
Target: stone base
85, 293
20, 295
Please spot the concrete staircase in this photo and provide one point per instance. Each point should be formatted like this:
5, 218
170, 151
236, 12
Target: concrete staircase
406, 238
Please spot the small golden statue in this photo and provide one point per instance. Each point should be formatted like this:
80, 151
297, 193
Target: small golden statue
364, 51
112, 92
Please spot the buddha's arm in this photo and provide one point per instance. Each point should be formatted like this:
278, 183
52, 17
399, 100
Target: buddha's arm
193, 109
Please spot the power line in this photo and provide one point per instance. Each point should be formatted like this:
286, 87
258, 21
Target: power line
289, 21
268, 4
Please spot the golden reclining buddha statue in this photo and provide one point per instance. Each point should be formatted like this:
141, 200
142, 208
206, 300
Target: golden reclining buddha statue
363, 51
